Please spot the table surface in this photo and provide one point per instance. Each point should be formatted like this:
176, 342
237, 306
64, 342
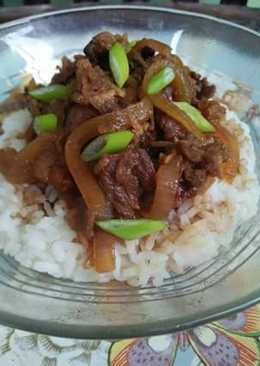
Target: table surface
229, 342
246, 16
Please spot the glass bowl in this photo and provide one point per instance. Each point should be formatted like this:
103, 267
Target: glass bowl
40, 303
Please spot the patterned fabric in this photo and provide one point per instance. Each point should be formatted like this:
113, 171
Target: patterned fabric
233, 341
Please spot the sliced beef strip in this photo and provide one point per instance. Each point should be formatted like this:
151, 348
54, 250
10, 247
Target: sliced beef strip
212, 110
94, 87
202, 160
76, 214
21, 101
194, 149
78, 114
172, 130
194, 176
203, 90
97, 49
116, 194
50, 168
125, 178
215, 154
65, 73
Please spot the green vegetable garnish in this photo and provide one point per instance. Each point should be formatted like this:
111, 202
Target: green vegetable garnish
130, 45
109, 143
201, 123
51, 92
119, 64
131, 229
160, 81
45, 123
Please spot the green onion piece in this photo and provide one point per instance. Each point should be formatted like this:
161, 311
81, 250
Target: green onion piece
130, 45
109, 143
131, 229
160, 81
119, 64
45, 123
51, 92
201, 123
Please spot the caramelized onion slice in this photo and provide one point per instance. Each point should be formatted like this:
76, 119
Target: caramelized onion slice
230, 168
126, 118
17, 166
160, 102
82, 175
181, 84
167, 181
176, 113
103, 251
157, 46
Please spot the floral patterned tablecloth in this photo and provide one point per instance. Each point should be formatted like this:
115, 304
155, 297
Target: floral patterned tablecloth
234, 341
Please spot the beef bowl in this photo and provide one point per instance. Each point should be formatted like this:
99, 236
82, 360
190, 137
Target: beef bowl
129, 171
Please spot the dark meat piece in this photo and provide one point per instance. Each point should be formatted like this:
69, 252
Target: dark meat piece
135, 172
78, 216
106, 169
97, 49
203, 90
147, 52
203, 158
50, 168
21, 101
212, 110
133, 83
76, 210
194, 149
78, 114
59, 108
215, 154
168, 94
29, 134
185, 191
65, 73
195, 177
125, 178
94, 87
172, 131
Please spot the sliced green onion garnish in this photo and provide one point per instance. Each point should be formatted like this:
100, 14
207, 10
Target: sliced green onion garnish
51, 92
119, 64
130, 45
201, 123
131, 229
45, 123
160, 81
109, 143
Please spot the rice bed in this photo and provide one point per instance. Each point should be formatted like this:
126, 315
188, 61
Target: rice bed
196, 231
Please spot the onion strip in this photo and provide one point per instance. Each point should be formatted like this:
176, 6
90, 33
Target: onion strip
167, 180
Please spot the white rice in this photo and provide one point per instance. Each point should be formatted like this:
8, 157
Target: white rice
196, 232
